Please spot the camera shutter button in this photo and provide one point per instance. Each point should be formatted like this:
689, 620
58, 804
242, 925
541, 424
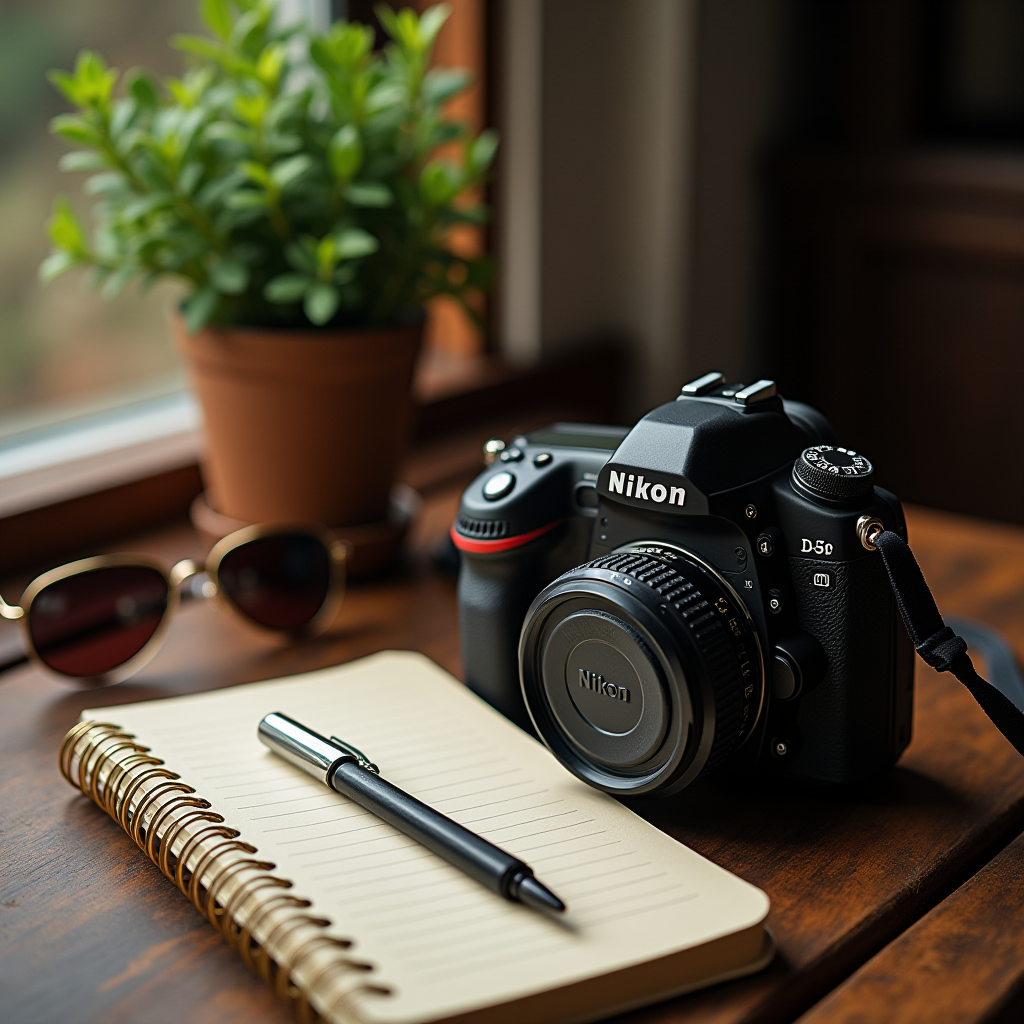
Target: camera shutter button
836, 474
498, 486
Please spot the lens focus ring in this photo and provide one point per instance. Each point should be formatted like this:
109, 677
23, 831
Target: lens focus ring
709, 633
659, 630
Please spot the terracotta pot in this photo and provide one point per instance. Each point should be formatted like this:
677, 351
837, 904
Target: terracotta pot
302, 424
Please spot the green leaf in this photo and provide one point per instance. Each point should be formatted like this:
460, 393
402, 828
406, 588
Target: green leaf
251, 109
105, 184
198, 45
302, 255
245, 199
387, 94
234, 219
321, 303
269, 66
286, 288
216, 14
480, 152
281, 143
345, 153
229, 276
438, 183
255, 172
442, 84
66, 85
345, 274
124, 111
143, 89
286, 171
199, 308
74, 129
65, 231
354, 243
55, 264
326, 255
82, 160
115, 284
213, 193
430, 24
145, 205
369, 193
322, 53
94, 82
190, 177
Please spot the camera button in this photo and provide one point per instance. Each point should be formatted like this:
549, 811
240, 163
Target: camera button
498, 486
786, 677
512, 455
775, 603
767, 541
543, 459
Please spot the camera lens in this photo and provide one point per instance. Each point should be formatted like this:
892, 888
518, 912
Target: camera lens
641, 670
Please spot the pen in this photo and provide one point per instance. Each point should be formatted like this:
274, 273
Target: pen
346, 770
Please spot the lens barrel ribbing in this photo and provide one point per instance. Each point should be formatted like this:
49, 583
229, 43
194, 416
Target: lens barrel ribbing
641, 669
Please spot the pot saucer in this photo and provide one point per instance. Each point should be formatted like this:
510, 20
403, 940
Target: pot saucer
372, 546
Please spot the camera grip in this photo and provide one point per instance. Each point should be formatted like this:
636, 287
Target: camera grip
495, 591
856, 722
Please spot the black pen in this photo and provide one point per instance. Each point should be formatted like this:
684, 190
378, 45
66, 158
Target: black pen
346, 770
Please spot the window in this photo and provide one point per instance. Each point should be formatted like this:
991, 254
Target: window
66, 354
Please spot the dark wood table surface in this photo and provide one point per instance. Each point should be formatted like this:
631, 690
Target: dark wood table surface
902, 901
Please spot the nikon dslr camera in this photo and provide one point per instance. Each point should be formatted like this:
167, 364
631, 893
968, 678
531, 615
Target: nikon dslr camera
692, 594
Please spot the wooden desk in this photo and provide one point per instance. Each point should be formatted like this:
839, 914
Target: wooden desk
90, 931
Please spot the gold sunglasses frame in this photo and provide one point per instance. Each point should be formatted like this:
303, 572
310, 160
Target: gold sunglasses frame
174, 578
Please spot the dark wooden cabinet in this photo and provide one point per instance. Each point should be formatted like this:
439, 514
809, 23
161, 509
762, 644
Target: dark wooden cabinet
899, 287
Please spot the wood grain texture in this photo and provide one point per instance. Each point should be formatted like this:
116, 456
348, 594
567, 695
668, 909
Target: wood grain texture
91, 932
965, 956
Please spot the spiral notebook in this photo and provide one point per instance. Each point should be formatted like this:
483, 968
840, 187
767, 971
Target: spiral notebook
352, 920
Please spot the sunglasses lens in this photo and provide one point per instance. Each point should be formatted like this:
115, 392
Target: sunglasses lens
92, 622
280, 582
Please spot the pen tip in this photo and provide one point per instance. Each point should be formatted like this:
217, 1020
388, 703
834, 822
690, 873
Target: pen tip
538, 896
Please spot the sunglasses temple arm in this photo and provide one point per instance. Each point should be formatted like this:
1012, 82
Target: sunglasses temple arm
12, 612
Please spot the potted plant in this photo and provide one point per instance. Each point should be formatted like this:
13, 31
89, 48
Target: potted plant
291, 180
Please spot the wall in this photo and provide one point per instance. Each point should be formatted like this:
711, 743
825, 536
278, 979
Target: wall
632, 131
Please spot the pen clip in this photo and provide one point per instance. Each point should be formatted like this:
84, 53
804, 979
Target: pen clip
361, 759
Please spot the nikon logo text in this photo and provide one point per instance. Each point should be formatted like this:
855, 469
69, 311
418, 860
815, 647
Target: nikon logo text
635, 486
597, 682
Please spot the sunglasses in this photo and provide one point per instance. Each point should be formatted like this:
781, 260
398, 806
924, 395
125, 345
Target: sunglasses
101, 619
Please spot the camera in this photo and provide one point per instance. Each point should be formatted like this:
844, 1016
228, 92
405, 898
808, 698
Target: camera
696, 594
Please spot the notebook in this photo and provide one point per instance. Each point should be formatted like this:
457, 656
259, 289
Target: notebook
343, 914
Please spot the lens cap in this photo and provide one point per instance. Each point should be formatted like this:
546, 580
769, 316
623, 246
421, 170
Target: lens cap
641, 670
605, 688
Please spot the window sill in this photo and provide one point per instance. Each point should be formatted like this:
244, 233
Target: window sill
99, 452
83, 483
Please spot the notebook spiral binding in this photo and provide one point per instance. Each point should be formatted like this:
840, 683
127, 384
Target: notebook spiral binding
267, 926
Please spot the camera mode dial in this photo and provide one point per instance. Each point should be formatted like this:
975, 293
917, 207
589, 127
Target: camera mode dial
835, 474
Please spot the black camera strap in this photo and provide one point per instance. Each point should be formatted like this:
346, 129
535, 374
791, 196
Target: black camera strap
937, 643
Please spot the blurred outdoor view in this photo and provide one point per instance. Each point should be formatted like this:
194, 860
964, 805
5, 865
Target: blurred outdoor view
64, 350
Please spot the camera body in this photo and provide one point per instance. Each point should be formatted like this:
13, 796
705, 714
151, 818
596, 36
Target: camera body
694, 594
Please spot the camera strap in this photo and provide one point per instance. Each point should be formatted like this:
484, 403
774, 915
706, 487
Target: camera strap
939, 646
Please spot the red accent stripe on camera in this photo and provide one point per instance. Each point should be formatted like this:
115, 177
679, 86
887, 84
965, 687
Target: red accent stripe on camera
486, 547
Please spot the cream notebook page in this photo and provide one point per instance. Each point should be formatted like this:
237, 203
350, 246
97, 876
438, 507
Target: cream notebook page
443, 943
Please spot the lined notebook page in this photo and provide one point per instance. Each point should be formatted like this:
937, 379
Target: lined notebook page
443, 943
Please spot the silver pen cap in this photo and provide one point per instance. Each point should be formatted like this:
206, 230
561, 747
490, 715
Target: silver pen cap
309, 750
304, 748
